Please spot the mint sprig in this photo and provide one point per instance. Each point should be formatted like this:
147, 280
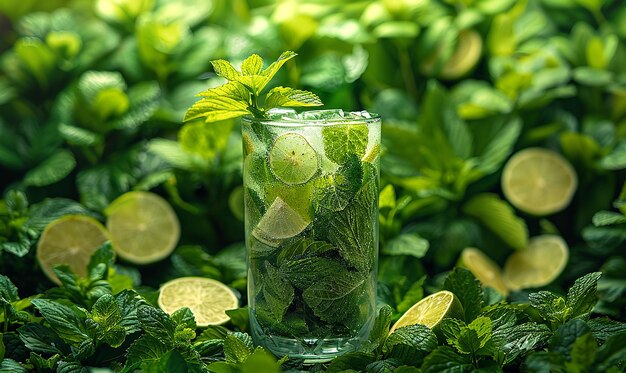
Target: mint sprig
243, 93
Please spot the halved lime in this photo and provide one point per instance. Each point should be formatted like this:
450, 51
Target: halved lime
431, 310
207, 299
143, 226
279, 222
538, 265
484, 269
539, 181
468, 49
71, 240
292, 159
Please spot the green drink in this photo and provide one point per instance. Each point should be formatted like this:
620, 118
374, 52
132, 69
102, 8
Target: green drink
311, 197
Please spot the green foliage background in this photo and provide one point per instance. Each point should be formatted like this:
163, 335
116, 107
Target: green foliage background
92, 94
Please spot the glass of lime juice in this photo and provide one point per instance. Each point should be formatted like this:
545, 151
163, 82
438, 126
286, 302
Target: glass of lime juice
311, 183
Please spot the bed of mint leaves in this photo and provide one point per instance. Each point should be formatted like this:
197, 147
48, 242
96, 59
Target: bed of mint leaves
88, 322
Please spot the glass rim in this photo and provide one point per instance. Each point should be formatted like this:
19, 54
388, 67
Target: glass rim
248, 119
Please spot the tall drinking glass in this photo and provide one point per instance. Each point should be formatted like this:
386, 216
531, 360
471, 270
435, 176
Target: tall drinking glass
311, 185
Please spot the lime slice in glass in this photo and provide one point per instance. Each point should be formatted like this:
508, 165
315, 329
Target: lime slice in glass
70, 240
431, 310
207, 299
539, 181
484, 269
143, 226
538, 265
279, 222
293, 160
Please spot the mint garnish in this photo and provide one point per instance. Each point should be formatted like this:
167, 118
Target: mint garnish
242, 94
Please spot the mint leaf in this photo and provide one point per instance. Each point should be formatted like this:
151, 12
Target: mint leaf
67, 322
352, 230
156, 323
444, 359
380, 330
252, 65
54, 168
410, 344
107, 314
303, 273
240, 317
567, 334
275, 66
334, 191
345, 140
336, 299
551, 307
216, 109
475, 336
129, 301
352, 361
277, 291
584, 351
237, 347
224, 69
544, 361
611, 353
260, 361
383, 366
100, 262
145, 349
8, 291
516, 340
465, 286
498, 216
604, 328
184, 317
301, 249
581, 297
233, 90
406, 244
40, 339
289, 97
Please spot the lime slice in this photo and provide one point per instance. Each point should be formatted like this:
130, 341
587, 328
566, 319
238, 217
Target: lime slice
207, 299
143, 227
431, 310
539, 181
538, 265
292, 159
484, 269
70, 240
279, 222
298, 197
466, 54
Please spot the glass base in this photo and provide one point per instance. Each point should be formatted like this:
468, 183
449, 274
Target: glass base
309, 350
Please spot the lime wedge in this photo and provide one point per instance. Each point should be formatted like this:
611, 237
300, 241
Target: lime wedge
279, 222
484, 269
207, 299
292, 159
538, 265
298, 197
70, 240
539, 181
143, 226
431, 310
468, 49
